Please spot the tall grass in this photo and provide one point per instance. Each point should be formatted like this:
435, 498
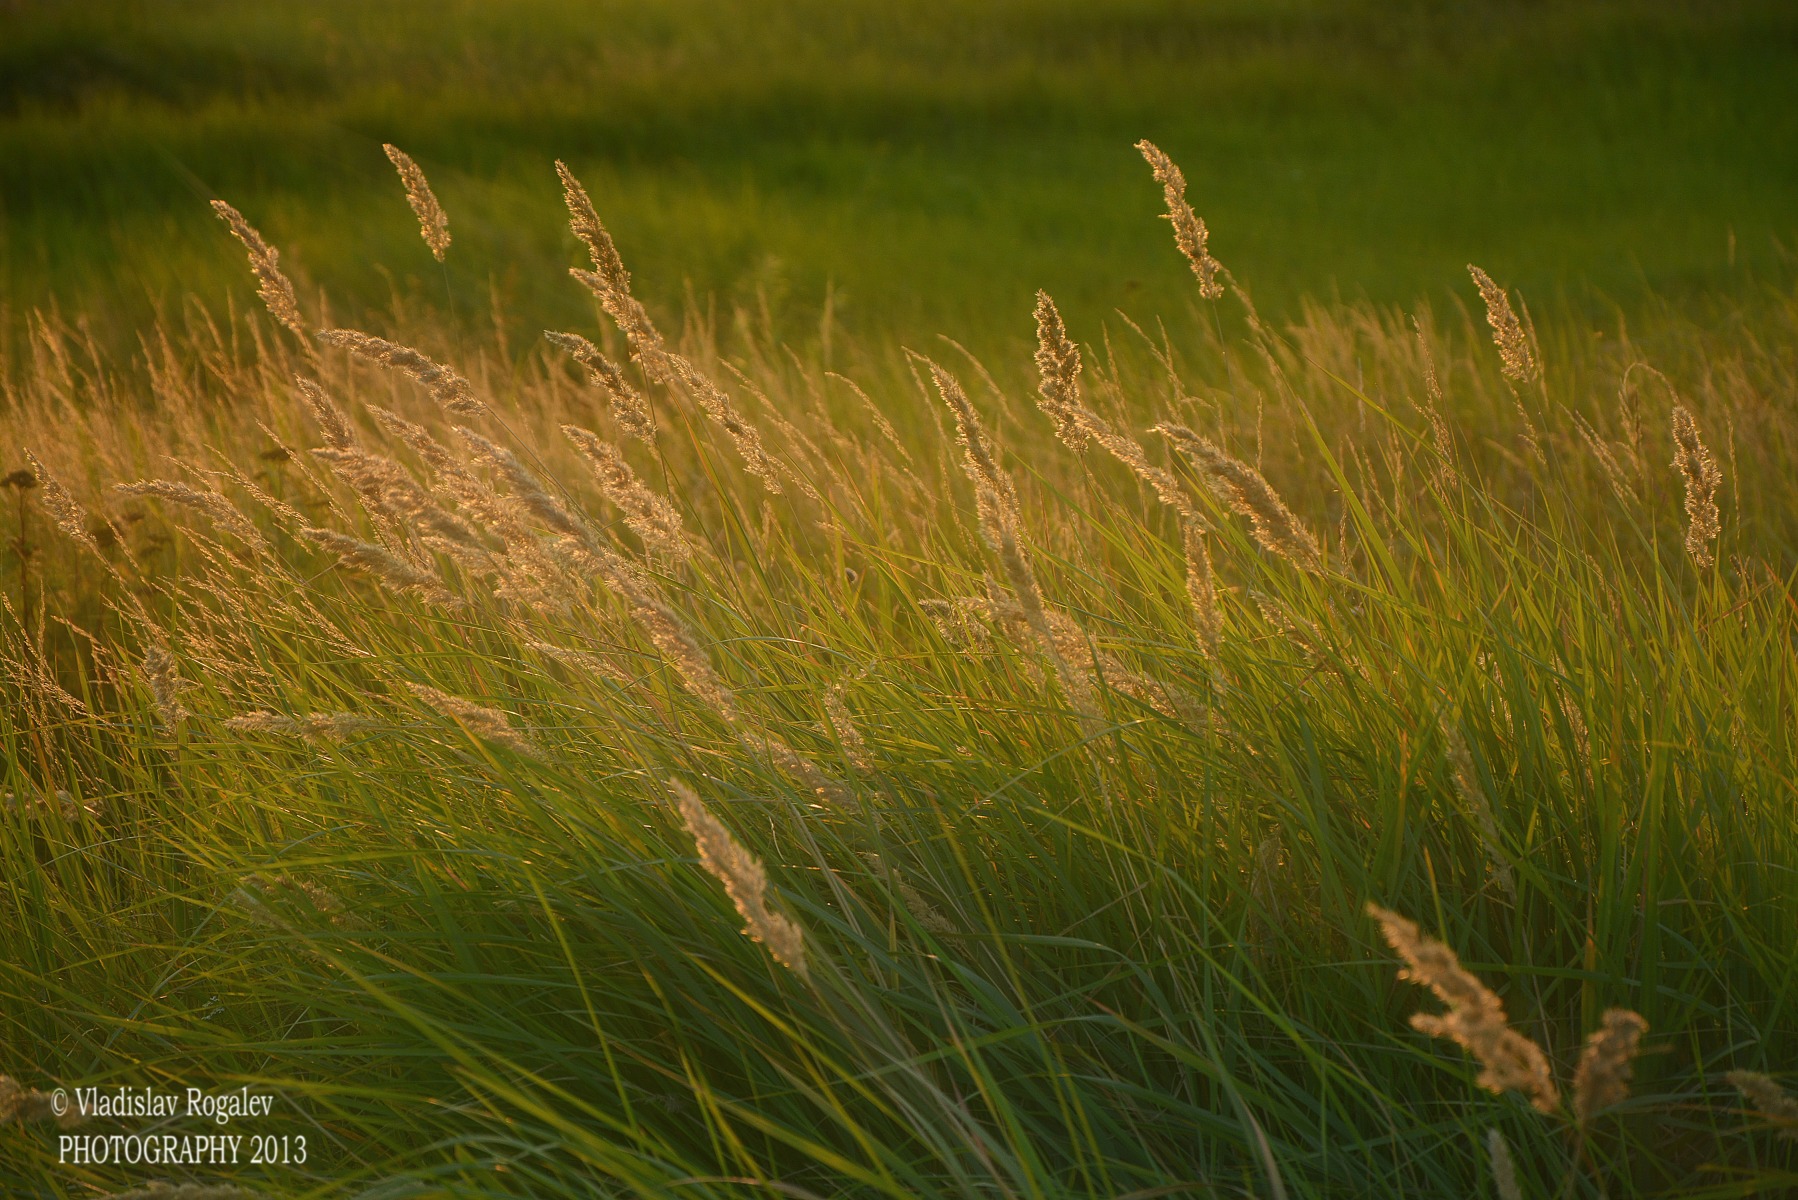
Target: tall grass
698, 774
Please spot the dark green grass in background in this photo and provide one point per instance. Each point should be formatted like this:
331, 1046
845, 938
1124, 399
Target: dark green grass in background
924, 163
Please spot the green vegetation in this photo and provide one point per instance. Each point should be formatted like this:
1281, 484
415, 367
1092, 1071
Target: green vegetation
416, 744
925, 163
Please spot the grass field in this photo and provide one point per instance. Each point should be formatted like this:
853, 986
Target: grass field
732, 755
923, 163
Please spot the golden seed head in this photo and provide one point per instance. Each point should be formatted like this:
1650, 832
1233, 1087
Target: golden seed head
1475, 1019
449, 389
1518, 363
1190, 233
1769, 1099
276, 290
1243, 489
1058, 371
1504, 1169
489, 723
1701, 474
1605, 1065
433, 222
369, 559
629, 407
745, 880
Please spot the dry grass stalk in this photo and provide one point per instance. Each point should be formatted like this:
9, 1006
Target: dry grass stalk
1515, 358
433, 222
721, 408
1201, 588
584, 220
434, 453
1475, 1019
1000, 523
449, 389
1478, 805
332, 725
1058, 370
19, 1104
489, 723
855, 748
1621, 480
276, 290
1190, 233
64, 510
1605, 1065
333, 425
166, 685
649, 514
223, 513
921, 910
1504, 1169
1698, 468
369, 559
1243, 489
745, 880
1432, 411
629, 407
1769, 1099
389, 489
527, 490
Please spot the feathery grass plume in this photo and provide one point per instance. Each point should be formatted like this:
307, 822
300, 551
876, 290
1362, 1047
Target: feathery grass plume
1058, 368
1201, 587
1769, 1099
1478, 804
65, 511
435, 454
489, 723
874, 414
389, 489
721, 408
1190, 233
744, 879
370, 559
629, 406
1605, 1065
333, 425
449, 389
1515, 358
1504, 1168
433, 222
921, 910
855, 748
1698, 468
649, 514
223, 513
276, 290
19, 1104
584, 220
1622, 482
166, 685
1243, 489
1000, 523
1475, 1019
335, 725
527, 489
1432, 411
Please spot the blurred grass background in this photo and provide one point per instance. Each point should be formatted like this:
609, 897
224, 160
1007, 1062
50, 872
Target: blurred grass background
918, 166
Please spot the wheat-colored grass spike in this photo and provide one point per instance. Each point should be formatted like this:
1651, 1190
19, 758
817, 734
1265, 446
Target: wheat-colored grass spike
433, 222
1606, 1064
1699, 471
1190, 233
276, 290
744, 878
449, 389
1475, 1019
